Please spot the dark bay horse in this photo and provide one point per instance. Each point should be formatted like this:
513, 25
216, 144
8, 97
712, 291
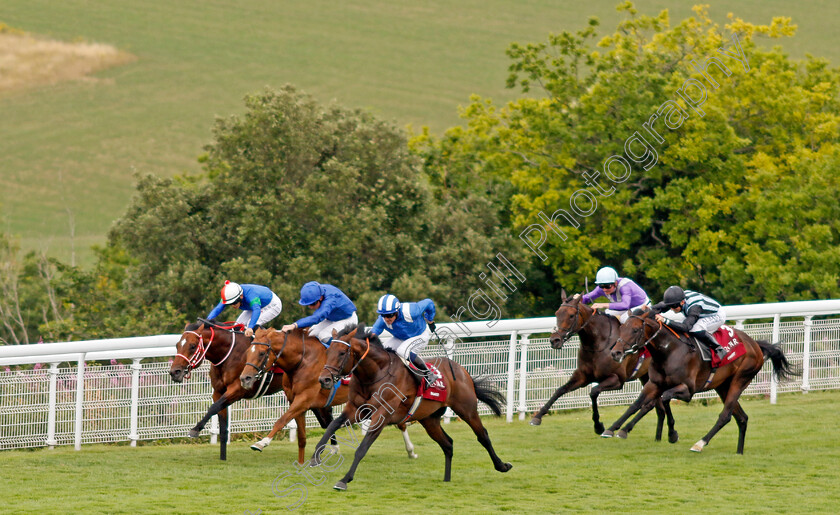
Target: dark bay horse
678, 372
302, 357
383, 390
597, 333
225, 349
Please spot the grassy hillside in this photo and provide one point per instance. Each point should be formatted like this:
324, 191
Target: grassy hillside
69, 151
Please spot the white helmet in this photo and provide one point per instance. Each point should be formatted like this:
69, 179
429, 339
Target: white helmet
231, 293
606, 275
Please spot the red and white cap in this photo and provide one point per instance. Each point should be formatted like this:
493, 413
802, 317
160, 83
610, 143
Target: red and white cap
231, 293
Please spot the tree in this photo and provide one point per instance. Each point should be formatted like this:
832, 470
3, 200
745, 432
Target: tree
599, 178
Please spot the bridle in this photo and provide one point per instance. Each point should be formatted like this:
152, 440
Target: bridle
263, 366
571, 331
638, 344
336, 373
198, 356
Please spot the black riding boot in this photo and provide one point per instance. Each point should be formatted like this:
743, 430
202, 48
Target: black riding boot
421, 369
710, 340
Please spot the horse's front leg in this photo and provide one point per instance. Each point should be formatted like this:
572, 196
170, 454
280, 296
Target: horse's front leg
300, 404
679, 392
300, 420
328, 434
612, 382
372, 434
650, 391
577, 380
220, 402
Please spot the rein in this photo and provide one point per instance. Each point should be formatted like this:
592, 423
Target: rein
263, 366
570, 332
636, 347
336, 372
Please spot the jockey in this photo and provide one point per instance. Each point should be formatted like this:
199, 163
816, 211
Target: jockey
410, 333
624, 294
332, 310
259, 305
703, 315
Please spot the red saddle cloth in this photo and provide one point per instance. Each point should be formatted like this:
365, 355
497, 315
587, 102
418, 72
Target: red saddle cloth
727, 339
436, 392
345, 380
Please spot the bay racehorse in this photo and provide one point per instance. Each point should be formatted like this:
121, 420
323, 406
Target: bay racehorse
224, 346
302, 357
383, 391
677, 371
598, 332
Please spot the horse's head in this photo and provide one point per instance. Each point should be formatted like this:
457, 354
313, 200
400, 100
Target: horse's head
634, 334
259, 356
340, 358
189, 351
571, 317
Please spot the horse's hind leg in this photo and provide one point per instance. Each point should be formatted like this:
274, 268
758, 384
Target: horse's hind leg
577, 380
673, 436
409, 447
436, 432
731, 399
475, 424
741, 419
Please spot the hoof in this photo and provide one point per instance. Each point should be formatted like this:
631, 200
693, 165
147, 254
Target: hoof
607, 434
599, 428
698, 447
673, 437
536, 421
193, 433
504, 467
262, 444
340, 486
334, 449
622, 434
412, 456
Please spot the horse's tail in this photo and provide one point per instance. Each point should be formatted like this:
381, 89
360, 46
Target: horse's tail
782, 368
486, 392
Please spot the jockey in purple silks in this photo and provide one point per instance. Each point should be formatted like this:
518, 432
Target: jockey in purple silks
624, 294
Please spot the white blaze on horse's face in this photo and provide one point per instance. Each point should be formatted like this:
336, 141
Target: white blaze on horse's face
182, 342
253, 348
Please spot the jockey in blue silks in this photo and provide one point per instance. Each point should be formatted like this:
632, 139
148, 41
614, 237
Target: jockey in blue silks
411, 325
259, 305
332, 310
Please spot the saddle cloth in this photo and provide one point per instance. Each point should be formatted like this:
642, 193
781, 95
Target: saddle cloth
436, 392
726, 338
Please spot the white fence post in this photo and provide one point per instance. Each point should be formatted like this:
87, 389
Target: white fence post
214, 428
133, 433
511, 376
523, 376
80, 398
774, 386
806, 356
51, 441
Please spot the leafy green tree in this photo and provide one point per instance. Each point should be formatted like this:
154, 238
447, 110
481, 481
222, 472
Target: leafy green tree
707, 203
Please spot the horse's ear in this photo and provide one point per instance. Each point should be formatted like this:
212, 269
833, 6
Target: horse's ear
353, 332
563, 295
335, 334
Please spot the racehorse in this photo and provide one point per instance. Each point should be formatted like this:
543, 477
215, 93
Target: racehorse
678, 372
385, 389
224, 347
302, 357
598, 332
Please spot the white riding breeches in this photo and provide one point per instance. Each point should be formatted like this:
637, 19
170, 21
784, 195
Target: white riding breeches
267, 313
323, 329
404, 347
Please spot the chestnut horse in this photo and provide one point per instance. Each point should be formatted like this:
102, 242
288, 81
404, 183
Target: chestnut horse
302, 357
383, 390
598, 332
678, 372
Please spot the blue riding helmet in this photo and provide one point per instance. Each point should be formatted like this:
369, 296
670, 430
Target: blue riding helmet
387, 304
310, 293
